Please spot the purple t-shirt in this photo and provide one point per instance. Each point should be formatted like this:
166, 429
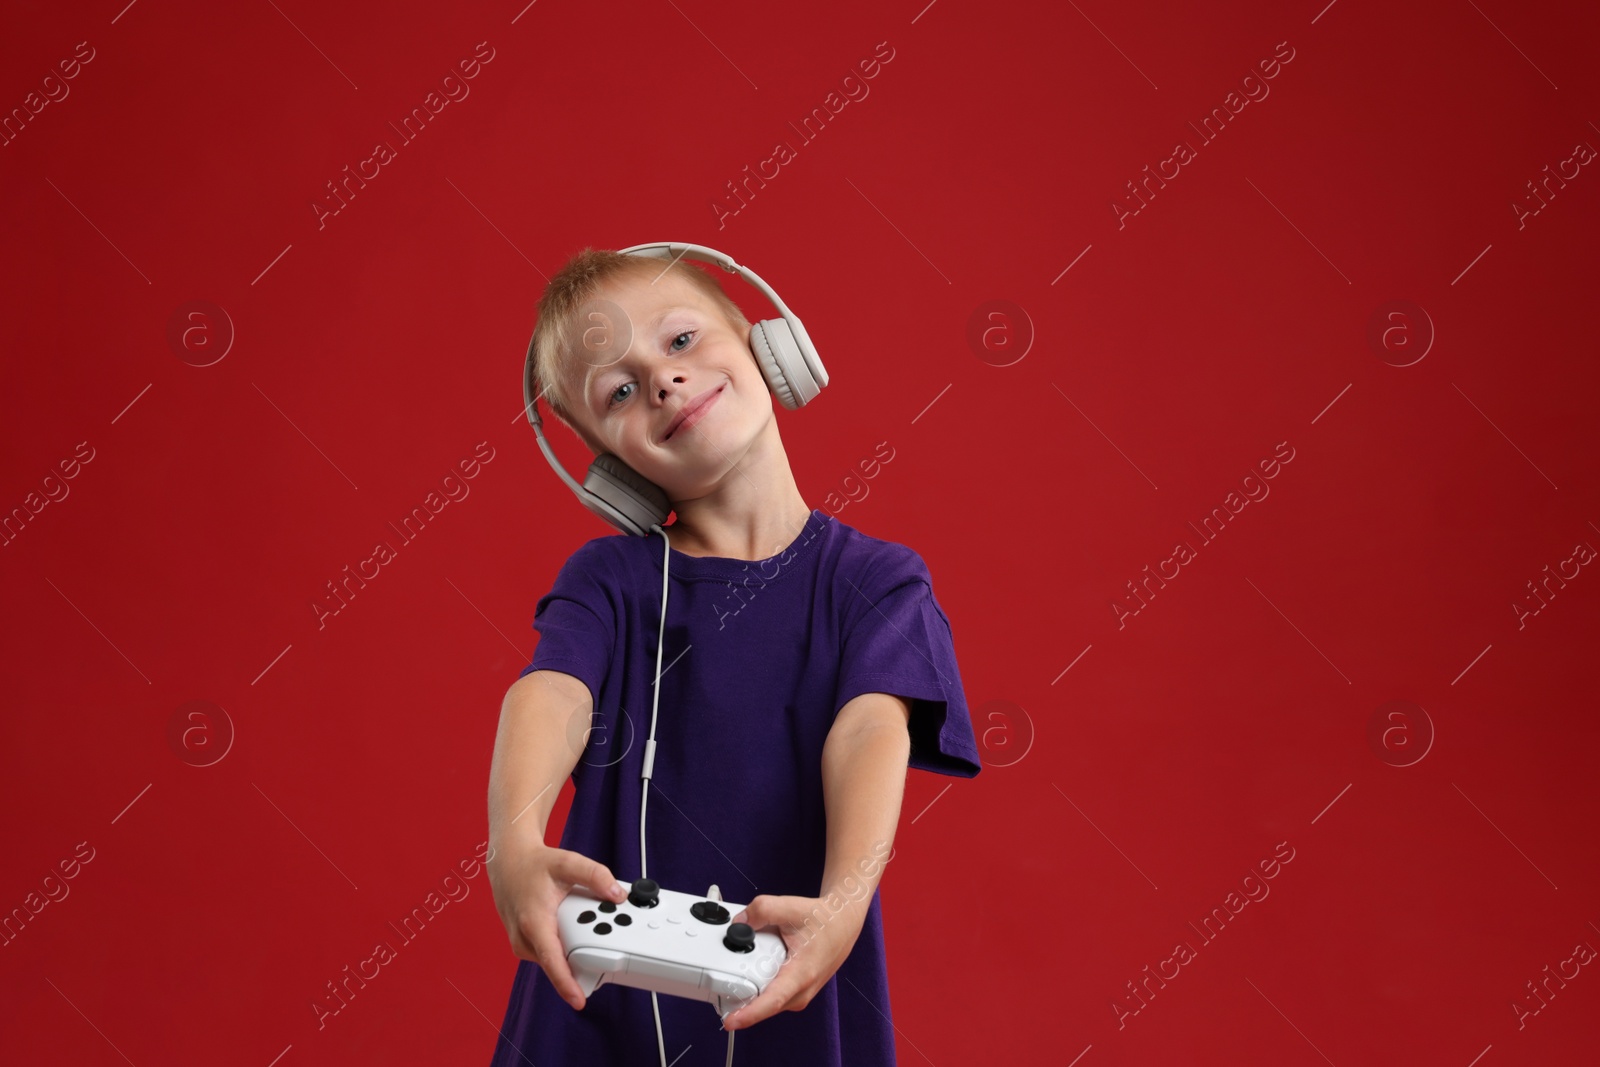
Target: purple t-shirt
759, 656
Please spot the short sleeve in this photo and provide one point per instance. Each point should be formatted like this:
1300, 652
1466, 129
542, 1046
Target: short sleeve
900, 642
577, 620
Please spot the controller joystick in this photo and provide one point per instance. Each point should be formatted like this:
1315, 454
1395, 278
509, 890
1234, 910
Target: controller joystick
645, 893
740, 938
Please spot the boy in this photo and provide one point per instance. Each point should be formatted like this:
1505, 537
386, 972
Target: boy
806, 665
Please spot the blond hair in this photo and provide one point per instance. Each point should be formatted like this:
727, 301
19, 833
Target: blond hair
575, 284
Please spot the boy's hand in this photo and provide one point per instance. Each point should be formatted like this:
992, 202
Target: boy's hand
528, 882
818, 940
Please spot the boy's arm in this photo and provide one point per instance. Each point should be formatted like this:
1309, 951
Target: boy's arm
544, 722
863, 779
543, 714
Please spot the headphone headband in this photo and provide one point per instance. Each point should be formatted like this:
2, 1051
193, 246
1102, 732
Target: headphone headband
675, 252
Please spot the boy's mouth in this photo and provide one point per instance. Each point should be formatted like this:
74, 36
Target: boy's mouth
692, 408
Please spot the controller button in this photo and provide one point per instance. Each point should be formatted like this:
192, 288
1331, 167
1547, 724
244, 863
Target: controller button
602, 928
645, 893
652, 924
709, 911
607, 907
691, 931
623, 920
586, 917
740, 938
673, 919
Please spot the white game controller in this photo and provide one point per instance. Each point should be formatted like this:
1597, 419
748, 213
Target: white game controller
667, 942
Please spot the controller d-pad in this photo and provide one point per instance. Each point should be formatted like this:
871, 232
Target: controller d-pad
624, 920
586, 917
602, 928
709, 911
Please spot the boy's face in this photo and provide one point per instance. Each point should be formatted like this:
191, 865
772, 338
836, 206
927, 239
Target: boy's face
647, 353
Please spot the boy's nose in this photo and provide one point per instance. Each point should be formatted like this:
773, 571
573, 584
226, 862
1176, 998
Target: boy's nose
674, 382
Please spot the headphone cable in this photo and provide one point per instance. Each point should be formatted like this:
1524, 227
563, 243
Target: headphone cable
649, 768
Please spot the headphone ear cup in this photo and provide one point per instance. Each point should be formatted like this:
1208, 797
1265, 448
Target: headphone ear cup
782, 363
633, 498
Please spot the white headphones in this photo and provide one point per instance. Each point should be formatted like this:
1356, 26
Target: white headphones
793, 370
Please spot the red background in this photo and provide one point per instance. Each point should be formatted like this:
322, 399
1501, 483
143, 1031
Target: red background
1124, 798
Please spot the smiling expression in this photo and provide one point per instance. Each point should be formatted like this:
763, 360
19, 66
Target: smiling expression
661, 357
